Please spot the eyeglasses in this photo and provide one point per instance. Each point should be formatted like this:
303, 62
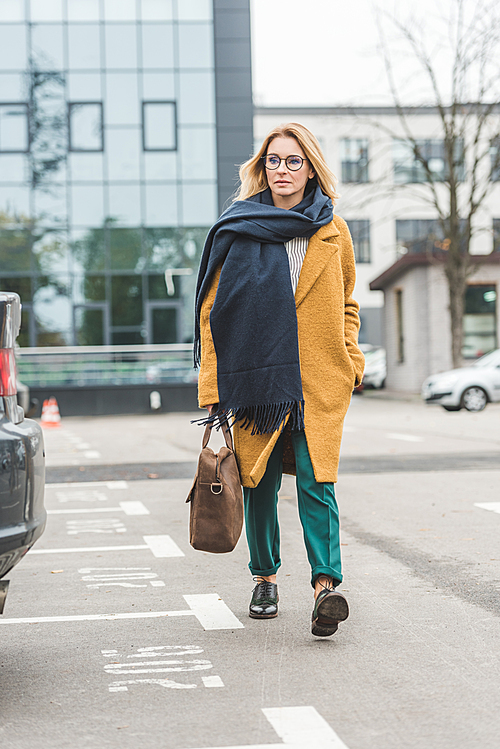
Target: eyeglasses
273, 161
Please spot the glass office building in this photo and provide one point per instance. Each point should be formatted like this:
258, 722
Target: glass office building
121, 122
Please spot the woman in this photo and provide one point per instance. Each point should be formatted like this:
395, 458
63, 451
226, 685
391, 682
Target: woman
276, 339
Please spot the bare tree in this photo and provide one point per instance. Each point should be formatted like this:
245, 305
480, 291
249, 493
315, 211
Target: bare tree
468, 104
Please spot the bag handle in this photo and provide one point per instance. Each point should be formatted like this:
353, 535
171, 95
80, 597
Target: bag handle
226, 432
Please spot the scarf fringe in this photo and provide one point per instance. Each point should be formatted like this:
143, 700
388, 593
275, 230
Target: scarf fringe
264, 419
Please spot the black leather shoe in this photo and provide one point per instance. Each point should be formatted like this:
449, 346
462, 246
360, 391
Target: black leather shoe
330, 608
264, 603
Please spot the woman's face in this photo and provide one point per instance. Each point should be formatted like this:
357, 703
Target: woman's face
287, 186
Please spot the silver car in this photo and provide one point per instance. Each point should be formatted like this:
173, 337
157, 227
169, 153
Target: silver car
469, 387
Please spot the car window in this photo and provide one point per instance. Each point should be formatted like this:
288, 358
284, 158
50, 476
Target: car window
489, 360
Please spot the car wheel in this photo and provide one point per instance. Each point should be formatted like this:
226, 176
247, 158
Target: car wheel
474, 399
452, 408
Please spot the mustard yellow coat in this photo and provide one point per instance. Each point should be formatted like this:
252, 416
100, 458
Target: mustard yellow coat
331, 363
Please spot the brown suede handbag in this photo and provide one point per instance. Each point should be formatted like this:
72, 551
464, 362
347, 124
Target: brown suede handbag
216, 513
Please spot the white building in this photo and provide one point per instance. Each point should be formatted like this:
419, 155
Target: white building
383, 199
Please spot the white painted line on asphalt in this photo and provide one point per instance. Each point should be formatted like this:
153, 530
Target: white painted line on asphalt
492, 506
92, 454
157, 583
85, 484
118, 686
87, 549
134, 508
212, 612
129, 508
212, 681
99, 617
163, 546
404, 437
73, 511
302, 726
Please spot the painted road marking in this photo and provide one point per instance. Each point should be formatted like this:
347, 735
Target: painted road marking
88, 484
159, 659
492, 506
86, 549
404, 437
118, 576
301, 727
210, 610
101, 525
129, 508
212, 681
161, 546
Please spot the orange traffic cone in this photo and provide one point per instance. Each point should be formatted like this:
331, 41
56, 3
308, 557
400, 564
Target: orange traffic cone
50, 414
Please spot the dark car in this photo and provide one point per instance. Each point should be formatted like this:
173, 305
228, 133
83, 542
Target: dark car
22, 457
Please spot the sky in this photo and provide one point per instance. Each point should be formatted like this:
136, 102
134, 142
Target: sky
328, 52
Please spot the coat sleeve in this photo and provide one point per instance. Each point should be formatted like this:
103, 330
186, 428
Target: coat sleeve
351, 307
208, 393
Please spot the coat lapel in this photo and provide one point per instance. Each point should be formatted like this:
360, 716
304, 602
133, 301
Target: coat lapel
320, 249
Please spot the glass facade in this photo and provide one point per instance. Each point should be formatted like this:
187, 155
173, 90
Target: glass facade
108, 166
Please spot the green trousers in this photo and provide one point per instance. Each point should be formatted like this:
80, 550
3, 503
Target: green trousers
318, 512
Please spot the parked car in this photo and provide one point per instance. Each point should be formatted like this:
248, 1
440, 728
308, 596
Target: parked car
375, 366
22, 457
468, 387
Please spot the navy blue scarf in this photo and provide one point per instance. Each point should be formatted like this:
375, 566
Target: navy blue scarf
253, 319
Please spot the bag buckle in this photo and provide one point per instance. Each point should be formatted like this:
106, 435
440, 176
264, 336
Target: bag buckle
219, 485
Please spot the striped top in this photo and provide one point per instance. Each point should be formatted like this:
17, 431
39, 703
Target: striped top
296, 250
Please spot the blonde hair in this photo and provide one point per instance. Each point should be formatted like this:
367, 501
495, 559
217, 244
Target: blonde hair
253, 177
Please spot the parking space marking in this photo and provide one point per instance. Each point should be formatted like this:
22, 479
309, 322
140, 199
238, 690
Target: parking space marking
88, 485
212, 681
160, 659
492, 506
300, 727
99, 525
119, 577
98, 617
404, 437
129, 508
87, 549
210, 610
161, 547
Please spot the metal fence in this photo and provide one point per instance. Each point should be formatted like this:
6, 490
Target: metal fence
88, 366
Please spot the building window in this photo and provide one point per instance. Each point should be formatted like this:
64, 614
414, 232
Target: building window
159, 126
360, 232
14, 131
480, 330
408, 168
399, 326
495, 160
354, 156
85, 126
418, 235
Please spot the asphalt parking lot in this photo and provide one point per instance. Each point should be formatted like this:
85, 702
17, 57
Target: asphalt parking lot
117, 633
